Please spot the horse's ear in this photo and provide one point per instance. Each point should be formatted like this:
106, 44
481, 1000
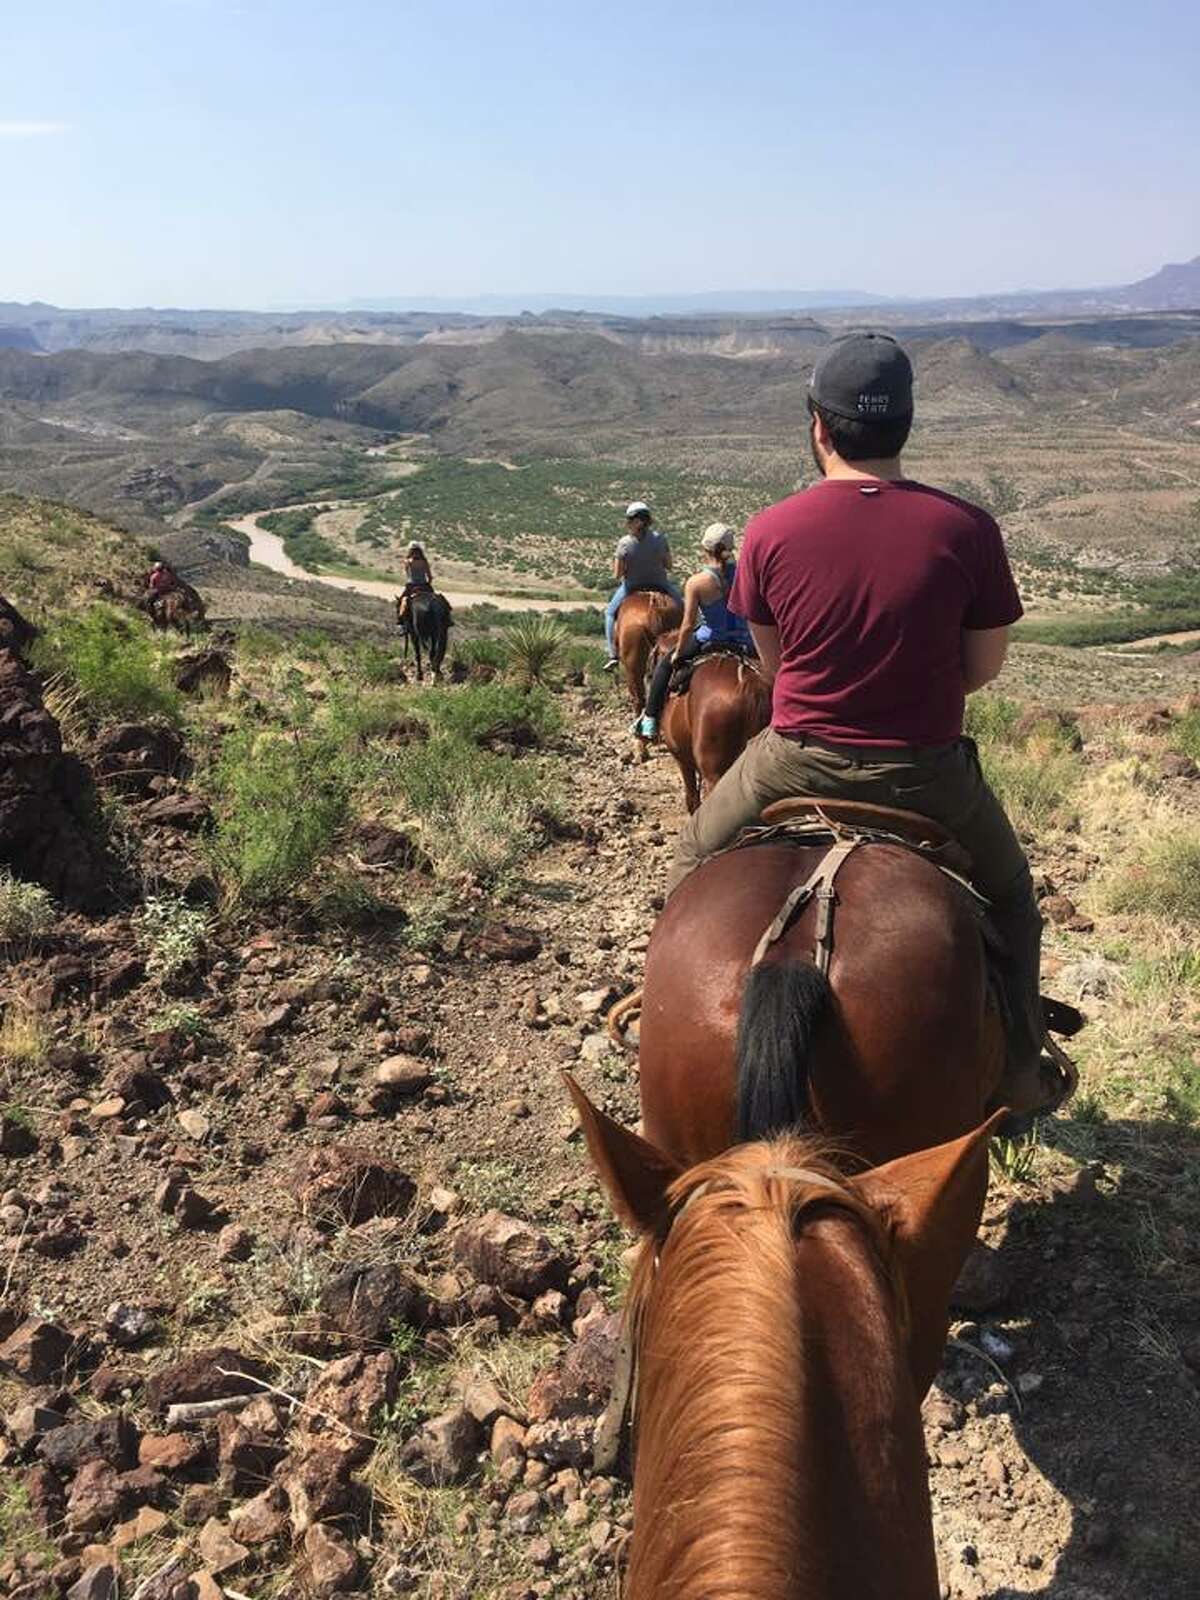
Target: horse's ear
932, 1203
636, 1174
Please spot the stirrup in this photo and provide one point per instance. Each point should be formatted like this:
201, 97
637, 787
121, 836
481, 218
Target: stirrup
1054, 1062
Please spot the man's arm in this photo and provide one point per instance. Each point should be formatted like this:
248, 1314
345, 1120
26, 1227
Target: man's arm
983, 653
766, 642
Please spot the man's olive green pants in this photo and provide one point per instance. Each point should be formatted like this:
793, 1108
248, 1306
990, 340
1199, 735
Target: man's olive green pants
943, 782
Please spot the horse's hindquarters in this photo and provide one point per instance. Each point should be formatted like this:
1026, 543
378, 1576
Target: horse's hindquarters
900, 1063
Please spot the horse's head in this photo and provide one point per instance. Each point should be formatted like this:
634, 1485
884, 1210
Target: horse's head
921, 1210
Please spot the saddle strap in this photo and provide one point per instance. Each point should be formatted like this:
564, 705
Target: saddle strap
819, 884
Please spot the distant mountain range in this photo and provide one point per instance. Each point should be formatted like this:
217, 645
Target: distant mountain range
744, 302
740, 321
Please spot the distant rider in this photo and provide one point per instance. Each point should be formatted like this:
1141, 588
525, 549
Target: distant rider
877, 605
160, 580
418, 576
642, 561
708, 623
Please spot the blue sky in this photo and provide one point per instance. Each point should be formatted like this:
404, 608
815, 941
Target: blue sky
257, 153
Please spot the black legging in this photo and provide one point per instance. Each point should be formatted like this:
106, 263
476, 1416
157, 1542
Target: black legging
660, 683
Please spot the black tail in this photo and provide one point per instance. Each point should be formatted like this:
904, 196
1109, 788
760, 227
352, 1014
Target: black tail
783, 1005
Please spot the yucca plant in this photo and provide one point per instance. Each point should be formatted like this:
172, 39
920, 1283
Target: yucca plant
531, 647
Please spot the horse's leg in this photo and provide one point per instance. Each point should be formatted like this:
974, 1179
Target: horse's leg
416, 639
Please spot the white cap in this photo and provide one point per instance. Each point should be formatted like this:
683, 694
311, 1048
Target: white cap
717, 536
637, 508
413, 546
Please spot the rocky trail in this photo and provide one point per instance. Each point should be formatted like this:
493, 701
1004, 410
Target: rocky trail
314, 1294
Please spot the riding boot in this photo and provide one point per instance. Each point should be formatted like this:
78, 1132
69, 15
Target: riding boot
1030, 1084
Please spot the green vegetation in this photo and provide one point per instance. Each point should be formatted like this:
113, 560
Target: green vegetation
547, 518
26, 909
115, 663
1164, 880
301, 542
1155, 605
172, 933
532, 648
1031, 764
279, 803
1185, 734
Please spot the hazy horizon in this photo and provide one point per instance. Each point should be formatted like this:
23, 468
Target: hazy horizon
207, 154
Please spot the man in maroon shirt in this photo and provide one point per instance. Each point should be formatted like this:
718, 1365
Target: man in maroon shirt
878, 605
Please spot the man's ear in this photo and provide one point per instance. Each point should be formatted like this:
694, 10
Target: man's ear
636, 1174
932, 1203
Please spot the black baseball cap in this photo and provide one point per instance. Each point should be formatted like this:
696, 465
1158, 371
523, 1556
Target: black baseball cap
864, 376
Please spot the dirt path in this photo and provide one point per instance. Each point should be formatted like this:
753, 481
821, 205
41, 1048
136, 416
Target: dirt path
267, 550
1072, 1482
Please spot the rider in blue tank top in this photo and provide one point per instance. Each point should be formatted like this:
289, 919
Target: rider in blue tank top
708, 623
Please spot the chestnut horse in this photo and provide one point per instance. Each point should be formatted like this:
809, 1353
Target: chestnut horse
900, 1047
707, 727
786, 1322
645, 616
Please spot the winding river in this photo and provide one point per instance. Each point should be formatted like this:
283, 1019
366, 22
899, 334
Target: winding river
266, 550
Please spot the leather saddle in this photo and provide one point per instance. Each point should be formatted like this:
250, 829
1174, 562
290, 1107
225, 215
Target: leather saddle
879, 823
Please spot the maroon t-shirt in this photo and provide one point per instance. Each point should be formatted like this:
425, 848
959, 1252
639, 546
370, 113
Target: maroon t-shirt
870, 584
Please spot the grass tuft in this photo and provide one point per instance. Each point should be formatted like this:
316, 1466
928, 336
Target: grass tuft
26, 909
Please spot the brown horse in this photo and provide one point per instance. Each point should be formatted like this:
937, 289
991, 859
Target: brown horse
180, 607
645, 616
706, 729
900, 1047
786, 1323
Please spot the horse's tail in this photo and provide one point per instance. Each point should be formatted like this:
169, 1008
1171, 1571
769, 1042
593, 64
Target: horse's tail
783, 1005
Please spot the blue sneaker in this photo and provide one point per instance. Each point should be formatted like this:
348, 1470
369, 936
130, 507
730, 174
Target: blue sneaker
644, 728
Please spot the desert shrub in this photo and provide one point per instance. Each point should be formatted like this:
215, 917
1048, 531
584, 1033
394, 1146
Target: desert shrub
355, 714
173, 933
342, 899
1033, 785
475, 711
486, 652
25, 908
1185, 734
24, 1036
1164, 880
279, 802
118, 668
991, 718
483, 832
373, 665
532, 647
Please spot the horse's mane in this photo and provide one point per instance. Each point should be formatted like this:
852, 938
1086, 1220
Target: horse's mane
717, 1320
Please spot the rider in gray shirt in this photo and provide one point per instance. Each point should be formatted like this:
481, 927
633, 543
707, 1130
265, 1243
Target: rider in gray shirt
643, 561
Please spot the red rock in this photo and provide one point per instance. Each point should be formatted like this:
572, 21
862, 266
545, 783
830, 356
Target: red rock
365, 1304
332, 1560
171, 1452
352, 1185
317, 1486
344, 1405
202, 1376
96, 1498
45, 1496
499, 941
510, 1254
445, 1449
580, 1382
219, 1551
261, 1520
37, 1351
112, 1438
508, 1441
